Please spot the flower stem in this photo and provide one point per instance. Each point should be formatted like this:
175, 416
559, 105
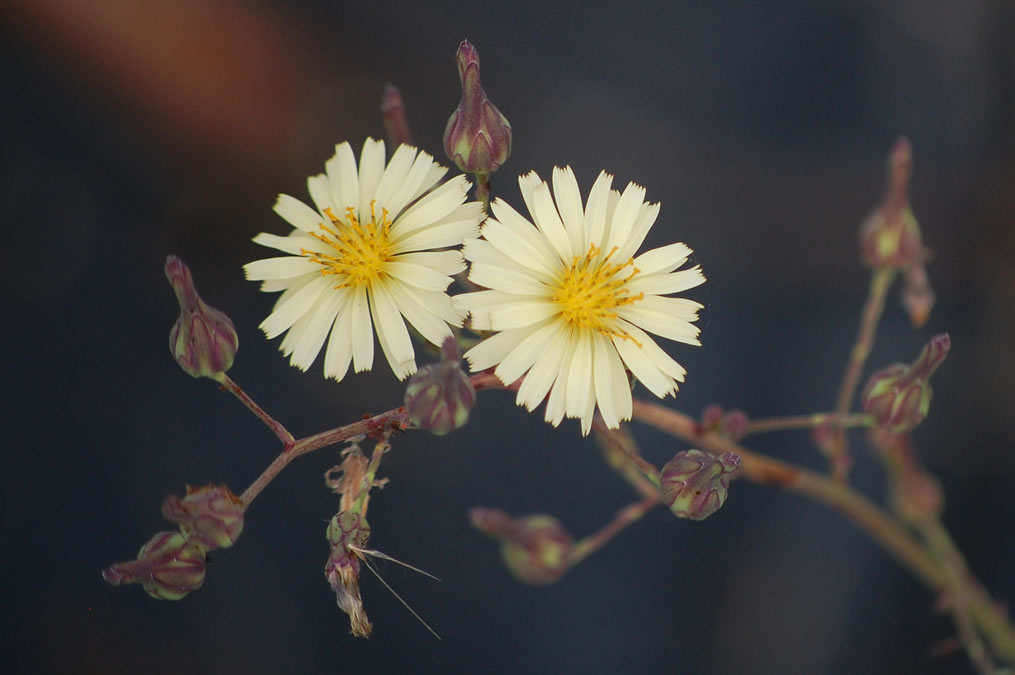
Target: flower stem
937, 563
622, 454
276, 426
626, 516
967, 600
808, 422
396, 418
881, 281
483, 190
884, 529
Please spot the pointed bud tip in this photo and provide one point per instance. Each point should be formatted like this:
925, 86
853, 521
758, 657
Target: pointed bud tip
466, 56
477, 137
203, 340
395, 117
901, 153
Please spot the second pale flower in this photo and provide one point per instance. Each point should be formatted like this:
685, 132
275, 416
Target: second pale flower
571, 302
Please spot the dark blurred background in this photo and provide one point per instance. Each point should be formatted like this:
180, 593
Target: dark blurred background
131, 129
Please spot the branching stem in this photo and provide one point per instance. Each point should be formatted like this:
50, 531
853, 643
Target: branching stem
808, 422
881, 281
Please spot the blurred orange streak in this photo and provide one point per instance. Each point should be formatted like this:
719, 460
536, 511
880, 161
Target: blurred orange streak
224, 77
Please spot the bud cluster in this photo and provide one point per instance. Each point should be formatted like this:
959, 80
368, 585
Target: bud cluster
172, 564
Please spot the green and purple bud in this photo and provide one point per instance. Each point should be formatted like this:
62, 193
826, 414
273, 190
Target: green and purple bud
440, 396
695, 484
348, 533
203, 340
477, 137
890, 237
168, 567
211, 516
536, 549
898, 396
732, 423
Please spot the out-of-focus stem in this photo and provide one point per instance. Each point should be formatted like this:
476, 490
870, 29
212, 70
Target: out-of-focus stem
808, 422
623, 456
392, 419
881, 280
276, 426
881, 527
626, 516
943, 569
967, 597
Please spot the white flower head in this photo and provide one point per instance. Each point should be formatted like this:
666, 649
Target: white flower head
362, 260
571, 301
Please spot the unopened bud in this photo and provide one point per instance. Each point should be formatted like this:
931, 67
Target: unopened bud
898, 396
203, 340
440, 396
890, 237
477, 137
348, 533
396, 122
732, 424
211, 515
168, 567
695, 484
536, 549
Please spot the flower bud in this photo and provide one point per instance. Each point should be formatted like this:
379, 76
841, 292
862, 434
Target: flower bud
168, 567
203, 340
733, 423
477, 137
211, 516
439, 396
898, 396
347, 532
695, 484
396, 122
890, 237
536, 549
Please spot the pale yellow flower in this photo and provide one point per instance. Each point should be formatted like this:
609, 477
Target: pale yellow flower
363, 260
572, 303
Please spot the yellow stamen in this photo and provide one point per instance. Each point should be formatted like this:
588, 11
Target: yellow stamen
592, 288
358, 250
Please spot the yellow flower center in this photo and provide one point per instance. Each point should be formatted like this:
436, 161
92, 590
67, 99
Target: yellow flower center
592, 288
357, 251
